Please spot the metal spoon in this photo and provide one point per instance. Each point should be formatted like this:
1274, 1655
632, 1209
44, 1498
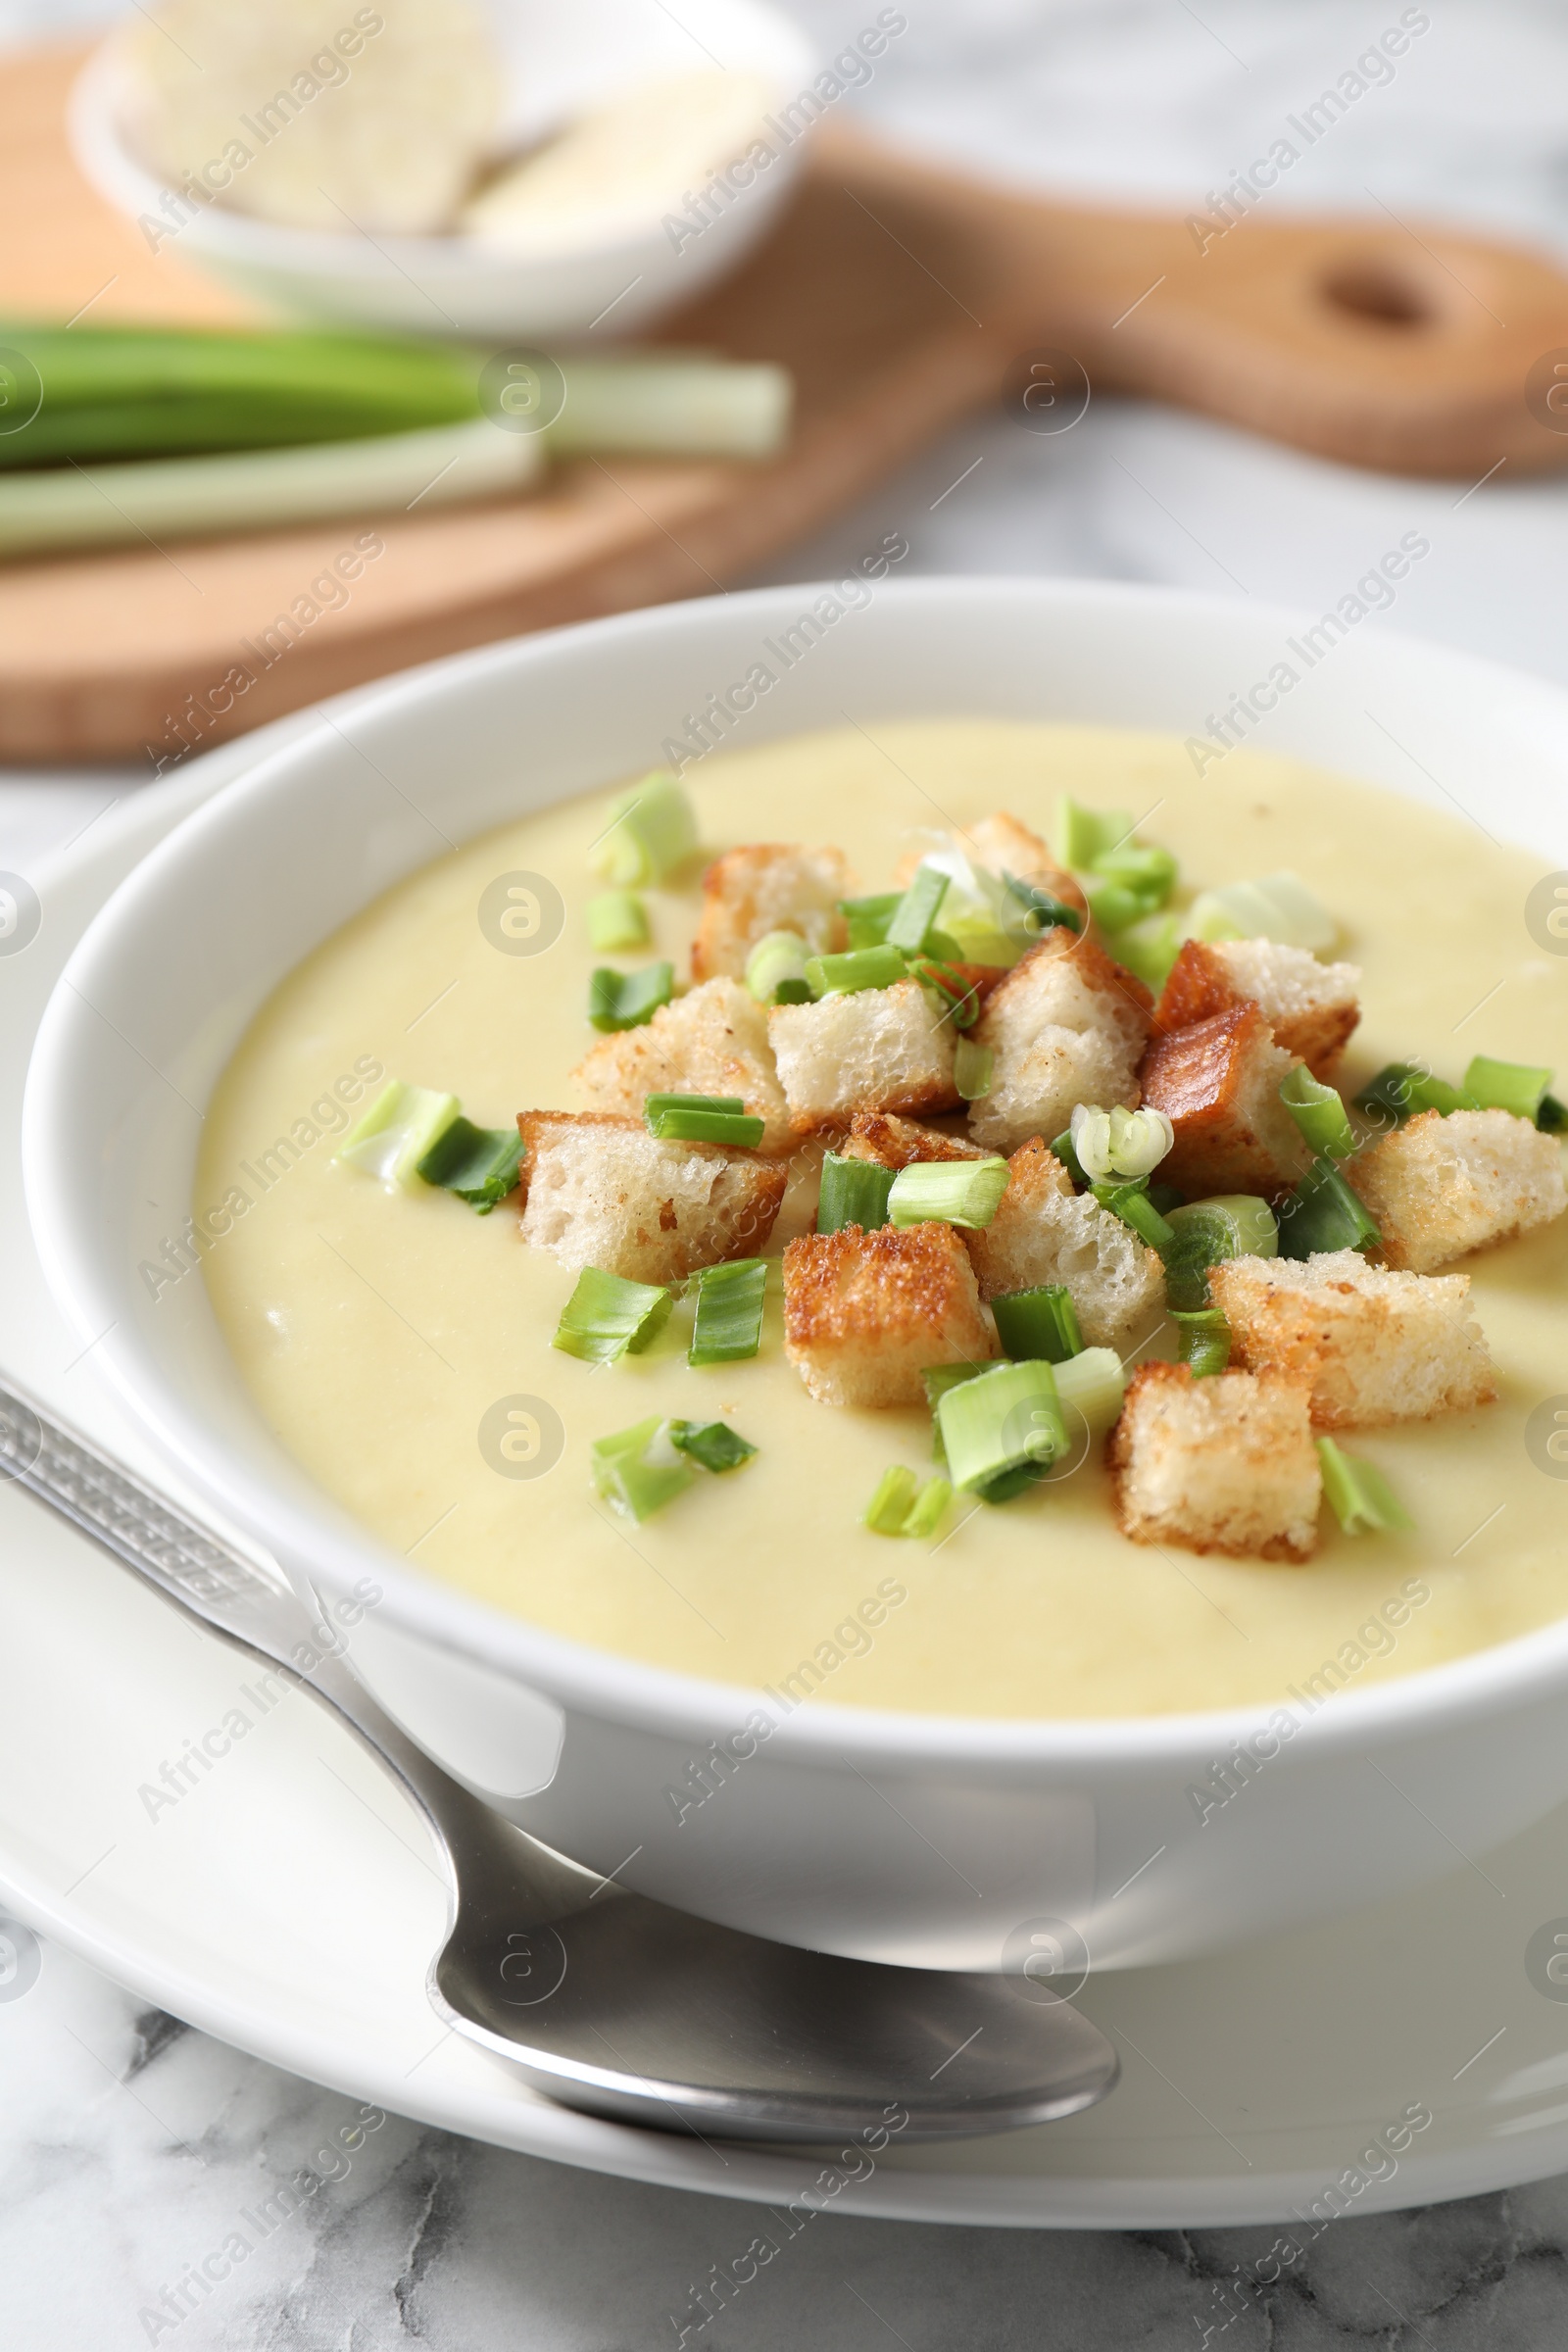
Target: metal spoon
605, 2000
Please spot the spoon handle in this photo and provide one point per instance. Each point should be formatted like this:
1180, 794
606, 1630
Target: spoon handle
197, 1571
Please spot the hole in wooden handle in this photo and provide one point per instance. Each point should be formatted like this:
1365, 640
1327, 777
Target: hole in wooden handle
1378, 292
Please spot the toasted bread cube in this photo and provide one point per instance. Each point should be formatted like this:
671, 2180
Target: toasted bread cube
1218, 1083
1311, 1007
1044, 1232
768, 886
602, 1192
1066, 1025
1444, 1186
1222, 1464
1001, 845
712, 1041
895, 1142
1372, 1344
865, 1314
881, 1048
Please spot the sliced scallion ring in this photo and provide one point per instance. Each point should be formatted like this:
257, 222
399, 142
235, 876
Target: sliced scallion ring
1360, 1496
947, 1192
607, 1317
1319, 1114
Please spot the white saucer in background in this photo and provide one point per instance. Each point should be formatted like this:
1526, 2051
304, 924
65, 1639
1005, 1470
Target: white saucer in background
287, 1901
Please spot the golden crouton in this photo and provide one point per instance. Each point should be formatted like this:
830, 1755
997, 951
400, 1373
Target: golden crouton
1442, 1186
1066, 1025
1222, 1464
1372, 1344
1044, 1232
865, 1314
768, 886
895, 1142
999, 845
879, 1048
712, 1041
1310, 1007
601, 1191
1218, 1083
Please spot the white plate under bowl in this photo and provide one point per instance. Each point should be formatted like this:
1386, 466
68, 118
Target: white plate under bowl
558, 62
287, 1901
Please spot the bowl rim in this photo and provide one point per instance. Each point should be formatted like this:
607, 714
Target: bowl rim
104, 154
605, 1683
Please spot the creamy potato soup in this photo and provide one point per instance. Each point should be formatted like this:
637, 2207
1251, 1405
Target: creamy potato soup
386, 1334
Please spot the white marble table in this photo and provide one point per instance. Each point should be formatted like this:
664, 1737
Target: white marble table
130, 2138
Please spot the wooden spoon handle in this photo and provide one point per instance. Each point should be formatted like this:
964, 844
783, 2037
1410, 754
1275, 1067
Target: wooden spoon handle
1379, 342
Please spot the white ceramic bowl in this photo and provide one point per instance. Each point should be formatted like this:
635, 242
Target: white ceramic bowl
895, 1837
561, 61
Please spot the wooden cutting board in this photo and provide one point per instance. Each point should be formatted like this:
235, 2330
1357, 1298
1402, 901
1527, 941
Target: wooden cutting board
900, 296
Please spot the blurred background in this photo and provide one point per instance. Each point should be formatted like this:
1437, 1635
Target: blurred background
1147, 103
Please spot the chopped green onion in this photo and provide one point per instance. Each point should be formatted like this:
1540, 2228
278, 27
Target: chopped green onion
869, 918
712, 1444
1204, 1234
973, 1067
1066, 1151
1279, 907
1552, 1116
617, 919
1404, 1087
654, 1106
853, 1192
947, 1192
1003, 1420
626, 1000
628, 1480
652, 831
1040, 1324
729, 1312
1166, 1196
1323, 1213
1149, 947
975, 939
1507, 1086
607, 1317
1206, 1339
395, 1133
1362, 1499
1008, 1483
861, 968
930, 1509
1093, 1384
1318, 1113
1084, 834
889, 1508
1130, 1203
1119, 1142
477, 1163
937, 1380
702, 1119
1115, 906
778, 962
911, 921
960, 999
1150, 873
1042, 910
